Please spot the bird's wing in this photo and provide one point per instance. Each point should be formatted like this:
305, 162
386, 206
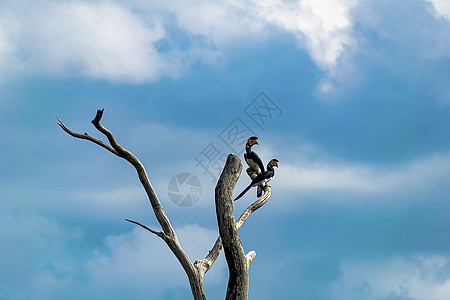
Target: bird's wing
258, 161
261, 177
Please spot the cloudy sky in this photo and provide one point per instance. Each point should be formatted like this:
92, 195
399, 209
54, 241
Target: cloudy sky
352, 97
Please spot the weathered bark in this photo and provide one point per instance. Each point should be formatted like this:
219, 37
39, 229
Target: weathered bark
237, 261
168, 234
205, 264
234, 253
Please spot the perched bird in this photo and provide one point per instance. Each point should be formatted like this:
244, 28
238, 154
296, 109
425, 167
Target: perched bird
253, 161
261, 179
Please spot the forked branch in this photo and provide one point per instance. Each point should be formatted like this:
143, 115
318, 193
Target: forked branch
205, 264
237, 261
168, 234
86, 136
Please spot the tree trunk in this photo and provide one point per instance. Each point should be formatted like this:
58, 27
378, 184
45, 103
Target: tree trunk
237, 261
234, 253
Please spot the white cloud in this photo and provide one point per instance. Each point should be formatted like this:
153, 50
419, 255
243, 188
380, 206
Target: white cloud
105, 203
418, 278
324, 175
135, 42
221, 23
138, 260
97, 41
44, 259
393, 38
101, 40
335, 177
108, 40
323, 27
442, 7
6, 47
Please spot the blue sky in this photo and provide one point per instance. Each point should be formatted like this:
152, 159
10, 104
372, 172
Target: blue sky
359, 206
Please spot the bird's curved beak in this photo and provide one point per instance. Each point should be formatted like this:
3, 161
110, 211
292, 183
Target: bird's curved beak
255, 142
275, 164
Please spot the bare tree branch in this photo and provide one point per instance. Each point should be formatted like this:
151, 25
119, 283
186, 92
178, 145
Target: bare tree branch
234, 253
158, 233
237, 261
195, 279
86, 136
120, 151
250, 256
254, 206
205, 264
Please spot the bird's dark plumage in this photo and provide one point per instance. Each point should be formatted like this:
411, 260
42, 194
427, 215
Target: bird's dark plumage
261, 179
252, 159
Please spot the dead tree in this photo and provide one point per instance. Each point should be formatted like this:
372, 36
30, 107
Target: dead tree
238, 263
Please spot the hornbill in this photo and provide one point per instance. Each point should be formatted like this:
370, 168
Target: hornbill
253, 161
261, 179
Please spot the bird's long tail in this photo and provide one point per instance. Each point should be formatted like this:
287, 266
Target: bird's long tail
243, 192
